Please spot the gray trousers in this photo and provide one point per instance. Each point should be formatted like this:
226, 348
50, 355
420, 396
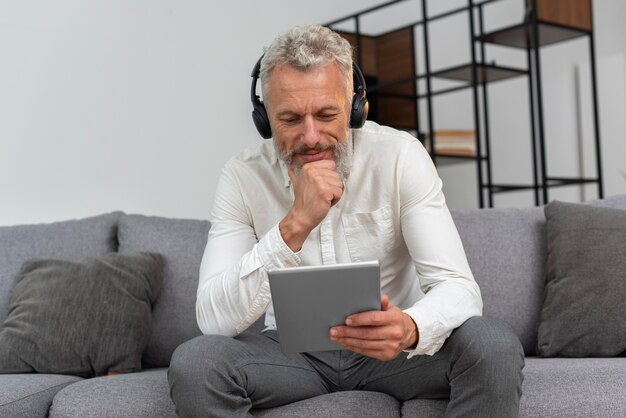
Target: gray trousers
479, 368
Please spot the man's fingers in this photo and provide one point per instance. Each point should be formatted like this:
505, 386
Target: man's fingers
292, 174
374, 333
384, 303
369, 318
381, 349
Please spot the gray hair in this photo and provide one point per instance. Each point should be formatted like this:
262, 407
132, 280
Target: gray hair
308, 47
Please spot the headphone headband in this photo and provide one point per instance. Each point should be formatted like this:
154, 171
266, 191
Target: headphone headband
358, 109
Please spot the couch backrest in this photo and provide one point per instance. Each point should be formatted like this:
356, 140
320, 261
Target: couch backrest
70, 240
506, 250
181, 242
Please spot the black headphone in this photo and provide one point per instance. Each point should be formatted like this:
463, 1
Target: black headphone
358, 109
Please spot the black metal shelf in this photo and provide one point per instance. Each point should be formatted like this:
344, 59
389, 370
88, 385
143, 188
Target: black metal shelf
521, 35
485, 73
402, 92
569, 181
503, 188
459, 156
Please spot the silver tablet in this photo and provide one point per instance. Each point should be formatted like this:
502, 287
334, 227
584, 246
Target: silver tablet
309, 300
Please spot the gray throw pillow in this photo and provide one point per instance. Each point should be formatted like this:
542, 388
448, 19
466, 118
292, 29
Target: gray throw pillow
585, 292
84, 318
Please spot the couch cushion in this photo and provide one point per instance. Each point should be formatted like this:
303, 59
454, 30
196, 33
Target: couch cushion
506, 251
72, 240
425, 408
143, 394
585, 294
570, 388
347, 404
181, 242
30, 395
83, 318
557, 388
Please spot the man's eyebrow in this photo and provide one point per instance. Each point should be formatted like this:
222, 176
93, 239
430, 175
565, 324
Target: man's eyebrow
331, 108
284, 113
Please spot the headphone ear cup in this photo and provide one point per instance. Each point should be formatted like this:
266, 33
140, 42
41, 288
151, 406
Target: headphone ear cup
261, 121
358, 115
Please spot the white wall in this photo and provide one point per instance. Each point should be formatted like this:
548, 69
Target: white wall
129, 105
135, 106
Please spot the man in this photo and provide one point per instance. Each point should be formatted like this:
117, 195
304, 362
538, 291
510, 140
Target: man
321, 193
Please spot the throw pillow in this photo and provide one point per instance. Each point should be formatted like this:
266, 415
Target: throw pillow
585, 292
84, 318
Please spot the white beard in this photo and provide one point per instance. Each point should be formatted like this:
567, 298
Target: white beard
343, 158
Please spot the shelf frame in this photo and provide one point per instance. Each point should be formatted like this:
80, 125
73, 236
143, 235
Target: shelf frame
539, 29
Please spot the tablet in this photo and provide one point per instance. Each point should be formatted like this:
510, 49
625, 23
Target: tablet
309, 300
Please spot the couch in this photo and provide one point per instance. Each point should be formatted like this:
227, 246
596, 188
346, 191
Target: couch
506, 248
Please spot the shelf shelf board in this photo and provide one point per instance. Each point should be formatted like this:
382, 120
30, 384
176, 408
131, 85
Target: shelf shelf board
446, 158
485, 73
456, 153
500, 188
569, 181
551, 182
521, 35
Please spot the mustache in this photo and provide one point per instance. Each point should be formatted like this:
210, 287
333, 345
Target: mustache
318, 147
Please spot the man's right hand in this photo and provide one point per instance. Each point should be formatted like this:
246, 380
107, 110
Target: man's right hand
316, 189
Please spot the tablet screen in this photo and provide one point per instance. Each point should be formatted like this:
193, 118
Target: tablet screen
309, 300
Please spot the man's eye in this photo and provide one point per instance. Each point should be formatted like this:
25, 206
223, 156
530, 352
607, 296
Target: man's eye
327, 116
290, 120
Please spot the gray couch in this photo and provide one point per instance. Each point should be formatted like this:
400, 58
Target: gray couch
506, 250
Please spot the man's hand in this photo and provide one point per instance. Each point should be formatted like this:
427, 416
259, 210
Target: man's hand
379, 334
316, 189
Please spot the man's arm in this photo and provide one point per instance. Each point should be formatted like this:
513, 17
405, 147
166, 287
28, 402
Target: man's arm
452, 295
233, 291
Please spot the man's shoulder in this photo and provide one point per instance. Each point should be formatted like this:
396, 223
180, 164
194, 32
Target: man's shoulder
375, 137
257, 155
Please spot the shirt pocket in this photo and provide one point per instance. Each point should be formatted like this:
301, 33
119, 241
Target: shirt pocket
370, 235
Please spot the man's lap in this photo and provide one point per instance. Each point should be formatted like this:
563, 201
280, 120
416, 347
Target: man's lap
273, 378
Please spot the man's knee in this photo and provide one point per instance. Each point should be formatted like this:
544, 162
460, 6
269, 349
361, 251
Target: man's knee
194, 358
490, 344
490, 336
485, 369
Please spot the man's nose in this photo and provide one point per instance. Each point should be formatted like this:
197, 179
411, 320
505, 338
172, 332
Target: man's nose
310, 132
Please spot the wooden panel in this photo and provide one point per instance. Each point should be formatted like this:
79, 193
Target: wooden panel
394, 52
395, 61
396, 112
367, 52
576, 13
389, 58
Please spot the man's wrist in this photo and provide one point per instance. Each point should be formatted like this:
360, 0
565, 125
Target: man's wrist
292, 233
414, 335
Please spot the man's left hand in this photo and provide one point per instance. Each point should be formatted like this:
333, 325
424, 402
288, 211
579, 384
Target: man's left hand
378, 334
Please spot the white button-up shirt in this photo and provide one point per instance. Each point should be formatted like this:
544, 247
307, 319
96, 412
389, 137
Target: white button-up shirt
392, 210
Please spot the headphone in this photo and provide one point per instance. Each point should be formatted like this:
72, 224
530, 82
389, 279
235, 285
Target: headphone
358, 108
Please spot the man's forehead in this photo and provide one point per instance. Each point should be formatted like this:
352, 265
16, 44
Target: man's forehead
320, 83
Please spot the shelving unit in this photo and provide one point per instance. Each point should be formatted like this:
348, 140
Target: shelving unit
388, 61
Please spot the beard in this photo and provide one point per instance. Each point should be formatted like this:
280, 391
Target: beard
342, 152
